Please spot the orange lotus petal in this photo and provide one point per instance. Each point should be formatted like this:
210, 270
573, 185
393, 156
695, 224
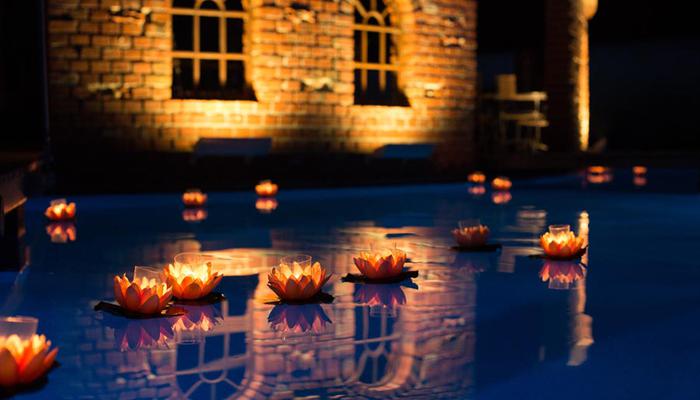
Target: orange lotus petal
150, 305
380, 265
9, 373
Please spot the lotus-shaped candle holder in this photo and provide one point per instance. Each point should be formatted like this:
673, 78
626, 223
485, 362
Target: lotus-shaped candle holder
501, 197
194, 198
560, 243
61, 231
148, 294
501, 183
143, 334
194, 214
191, 276
24, 360
266, 205
471, 234
598, 174
59, 210
266, 189
639, 170
296, 279
381, 263
561, 274
298, 318
476, 177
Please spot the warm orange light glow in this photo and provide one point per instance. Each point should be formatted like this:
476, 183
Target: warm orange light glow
598, 174
561, 274
144, 334
598, 169
59, 210
501, 197
501, 183
266, 205
476, 177
61, 232
23, 361
382, 264
298, 318
194, 214
639, 170
142, 296
194, 198
297, 280
639, 180
561, 243
266, 188
477, 190
471, 236
192, 281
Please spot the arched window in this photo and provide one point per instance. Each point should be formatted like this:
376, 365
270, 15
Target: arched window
209, 50
376, 58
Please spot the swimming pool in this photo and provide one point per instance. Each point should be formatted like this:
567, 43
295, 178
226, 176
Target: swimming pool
471, 325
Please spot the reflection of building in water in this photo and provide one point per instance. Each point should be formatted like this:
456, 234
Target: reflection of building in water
522, 237
424, 348
581, 323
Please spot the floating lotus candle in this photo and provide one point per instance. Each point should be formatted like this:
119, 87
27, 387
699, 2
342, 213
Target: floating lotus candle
561, 243
501, 183
59, 210
191, 276
147, 294
501, 197
476, 177
24, 356
381, 264
266, 188
471, 234
266, 205
597, 169
598, 174
561, 274
477, 190
296, 279
639, 170
298, 318
194, 198
61, 232
194, 214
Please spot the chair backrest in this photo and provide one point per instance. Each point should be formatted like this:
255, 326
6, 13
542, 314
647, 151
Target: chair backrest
232, 147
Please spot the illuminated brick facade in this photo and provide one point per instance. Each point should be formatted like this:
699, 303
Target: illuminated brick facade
111, 72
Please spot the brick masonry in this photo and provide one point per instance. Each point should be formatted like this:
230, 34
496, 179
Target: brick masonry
110, 76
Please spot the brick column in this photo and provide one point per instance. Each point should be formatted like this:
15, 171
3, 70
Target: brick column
567, 73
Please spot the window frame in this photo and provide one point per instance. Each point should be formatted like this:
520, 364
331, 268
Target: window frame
222, 56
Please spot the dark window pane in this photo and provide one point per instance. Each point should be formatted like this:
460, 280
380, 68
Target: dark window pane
390, 95
234, 35
182, 78
358, 46
209, 5
234, 5
209, 31
209, 75
373, 47
182, 32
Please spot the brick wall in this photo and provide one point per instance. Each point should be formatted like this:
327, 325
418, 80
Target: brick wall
110, 77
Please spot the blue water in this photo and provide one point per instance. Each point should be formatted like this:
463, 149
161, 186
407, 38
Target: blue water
470, 326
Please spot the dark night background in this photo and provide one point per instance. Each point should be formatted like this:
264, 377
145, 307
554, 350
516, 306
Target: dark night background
644, 68
645, 64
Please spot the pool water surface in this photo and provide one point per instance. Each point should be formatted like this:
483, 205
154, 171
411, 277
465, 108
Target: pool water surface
489, 325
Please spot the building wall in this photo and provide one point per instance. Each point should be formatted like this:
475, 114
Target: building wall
110, 76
